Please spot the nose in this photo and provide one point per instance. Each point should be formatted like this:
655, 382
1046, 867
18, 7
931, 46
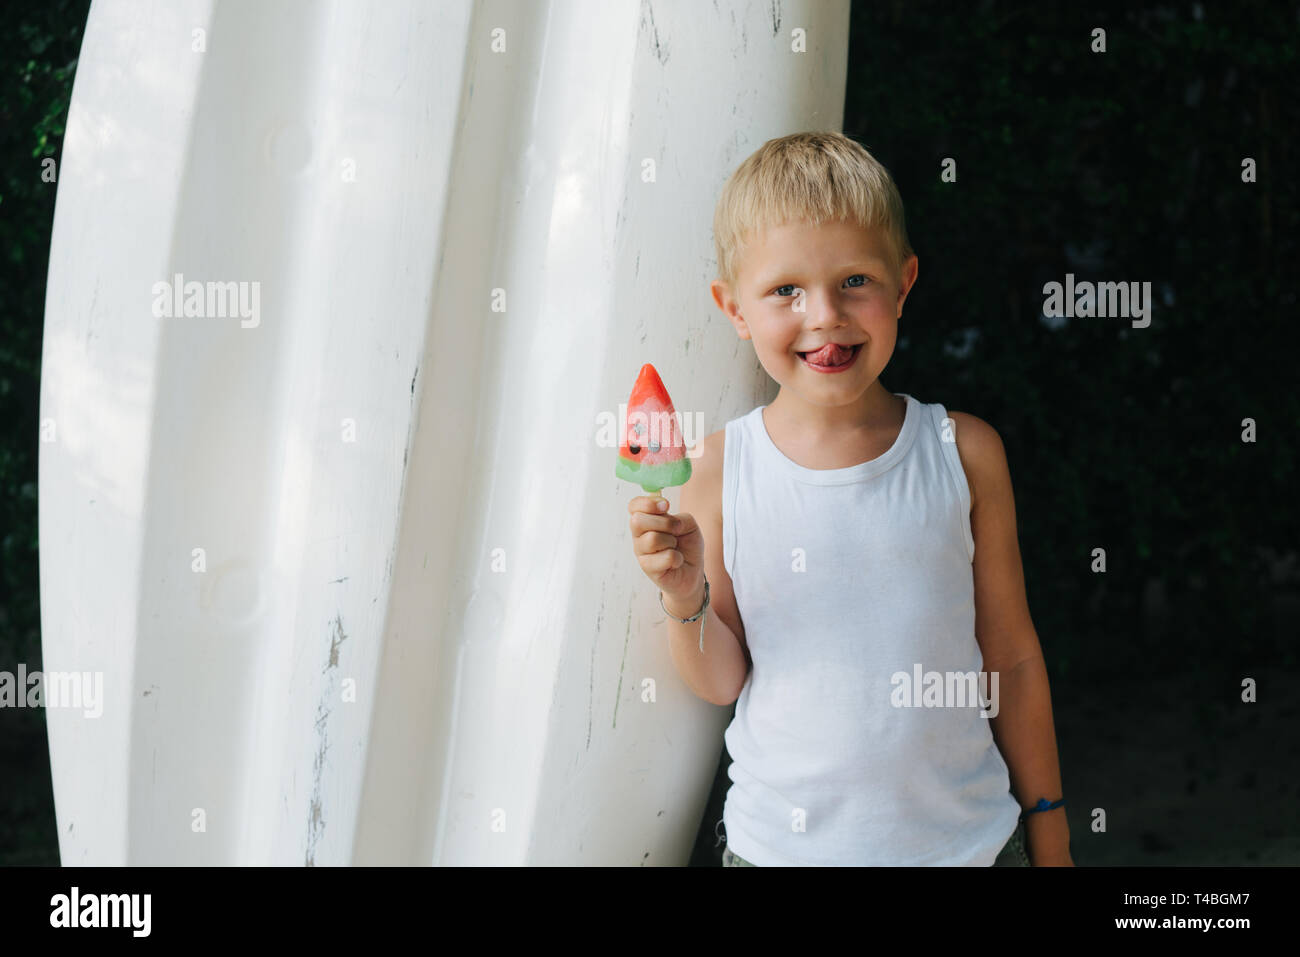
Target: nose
822, 309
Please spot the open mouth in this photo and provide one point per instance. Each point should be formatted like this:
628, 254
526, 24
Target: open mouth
832, 359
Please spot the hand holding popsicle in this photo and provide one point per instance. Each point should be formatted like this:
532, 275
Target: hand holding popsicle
669, 548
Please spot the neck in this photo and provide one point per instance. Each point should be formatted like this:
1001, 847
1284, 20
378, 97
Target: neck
875, 408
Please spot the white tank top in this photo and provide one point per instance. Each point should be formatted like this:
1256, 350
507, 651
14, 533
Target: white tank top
844, 577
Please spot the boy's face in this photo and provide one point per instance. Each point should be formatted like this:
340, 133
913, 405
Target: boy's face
799, 287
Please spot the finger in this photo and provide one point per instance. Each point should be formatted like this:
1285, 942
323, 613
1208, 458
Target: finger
651, 505
641, 522
659, 562
684, 522
649, 542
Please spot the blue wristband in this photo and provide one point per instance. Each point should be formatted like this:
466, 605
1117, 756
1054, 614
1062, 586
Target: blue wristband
1042, 805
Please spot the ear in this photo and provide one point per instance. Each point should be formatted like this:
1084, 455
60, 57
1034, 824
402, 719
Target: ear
730, 306
906, 280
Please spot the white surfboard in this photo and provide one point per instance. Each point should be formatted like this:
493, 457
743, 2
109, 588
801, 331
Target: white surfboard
339, 297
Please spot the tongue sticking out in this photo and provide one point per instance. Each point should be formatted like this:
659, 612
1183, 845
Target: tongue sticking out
830, 355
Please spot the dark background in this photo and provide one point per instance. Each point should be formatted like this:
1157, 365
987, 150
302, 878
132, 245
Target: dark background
1116, 166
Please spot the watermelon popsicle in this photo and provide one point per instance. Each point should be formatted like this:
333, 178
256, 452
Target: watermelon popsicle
652, 453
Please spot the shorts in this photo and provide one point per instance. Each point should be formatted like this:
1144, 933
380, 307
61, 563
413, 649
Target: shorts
1013, 853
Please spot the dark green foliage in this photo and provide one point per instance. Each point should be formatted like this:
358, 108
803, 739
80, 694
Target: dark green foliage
38, 56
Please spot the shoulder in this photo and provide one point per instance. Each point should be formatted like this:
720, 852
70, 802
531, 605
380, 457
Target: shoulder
702, 494
707, 457
708, 453
711, 449
982, 454
706, 465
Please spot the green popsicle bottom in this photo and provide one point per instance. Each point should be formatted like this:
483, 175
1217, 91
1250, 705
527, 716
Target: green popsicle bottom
653, 478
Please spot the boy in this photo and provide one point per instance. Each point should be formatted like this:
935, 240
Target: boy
848, 539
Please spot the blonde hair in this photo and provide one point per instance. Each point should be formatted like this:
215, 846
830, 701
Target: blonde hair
811, 177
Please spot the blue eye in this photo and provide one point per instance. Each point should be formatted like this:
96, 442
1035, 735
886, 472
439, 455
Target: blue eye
852, 285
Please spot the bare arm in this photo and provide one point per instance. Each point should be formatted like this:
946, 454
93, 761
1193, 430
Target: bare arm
1022, 727
712, 675
677, 551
